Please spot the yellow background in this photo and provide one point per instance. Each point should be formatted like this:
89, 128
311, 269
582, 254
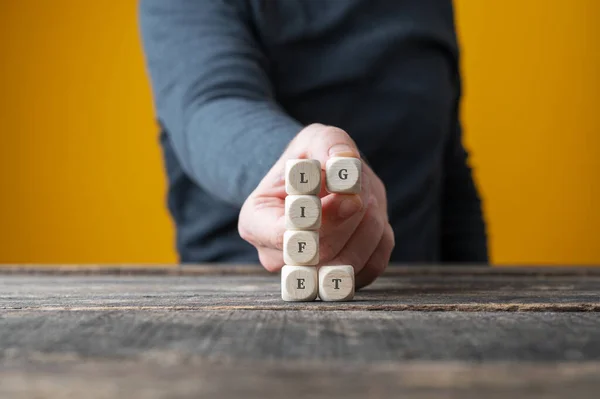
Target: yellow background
81, 172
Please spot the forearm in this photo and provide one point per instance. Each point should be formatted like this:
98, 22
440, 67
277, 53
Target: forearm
229, 144
213, 95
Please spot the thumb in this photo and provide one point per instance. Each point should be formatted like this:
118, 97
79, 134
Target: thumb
315, 141
325, 142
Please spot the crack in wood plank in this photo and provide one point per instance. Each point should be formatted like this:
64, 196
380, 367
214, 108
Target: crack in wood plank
347, 306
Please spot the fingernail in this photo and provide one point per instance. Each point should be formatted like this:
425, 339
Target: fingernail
349, 207
342, 150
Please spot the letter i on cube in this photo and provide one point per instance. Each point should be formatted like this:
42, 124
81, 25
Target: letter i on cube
300, 280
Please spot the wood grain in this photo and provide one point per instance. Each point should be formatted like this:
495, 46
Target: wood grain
427, 292
343, 175
224, 331
357, 337
301, 248
299, 283
160, 375
343, 354
336, 283
302, 212
303, 176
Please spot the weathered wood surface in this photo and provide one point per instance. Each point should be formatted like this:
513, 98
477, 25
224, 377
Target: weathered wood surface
224, 331
251, 288
168, 377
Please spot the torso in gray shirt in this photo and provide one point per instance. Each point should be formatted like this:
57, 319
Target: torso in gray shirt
233, 81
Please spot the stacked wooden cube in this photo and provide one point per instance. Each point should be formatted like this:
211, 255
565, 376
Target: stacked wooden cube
300, 279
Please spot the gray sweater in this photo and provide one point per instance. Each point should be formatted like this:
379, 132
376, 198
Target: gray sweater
235, 80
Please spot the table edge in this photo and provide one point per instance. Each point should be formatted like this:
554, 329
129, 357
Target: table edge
257, 270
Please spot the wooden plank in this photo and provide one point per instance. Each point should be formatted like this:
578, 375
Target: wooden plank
249, 292
224, 331
162, 377
123, 354
357, 337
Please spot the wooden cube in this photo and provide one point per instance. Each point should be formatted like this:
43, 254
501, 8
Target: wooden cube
299, 283
301, 248
343, 175
302, 212
336, 283
303, 176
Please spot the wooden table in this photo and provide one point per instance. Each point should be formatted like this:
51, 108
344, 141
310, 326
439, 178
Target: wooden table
223, 331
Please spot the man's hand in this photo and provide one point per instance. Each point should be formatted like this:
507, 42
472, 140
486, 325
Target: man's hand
355, 229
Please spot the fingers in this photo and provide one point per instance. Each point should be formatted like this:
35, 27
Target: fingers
271, 259
342, 214
377, 187
256, 213
315, 141
329, 141
364, 240
378, 261
262, 222
347, 234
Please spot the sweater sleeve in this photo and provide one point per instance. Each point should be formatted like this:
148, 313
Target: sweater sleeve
212, 93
